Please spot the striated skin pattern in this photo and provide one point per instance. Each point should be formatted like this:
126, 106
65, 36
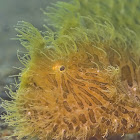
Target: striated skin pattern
81, 80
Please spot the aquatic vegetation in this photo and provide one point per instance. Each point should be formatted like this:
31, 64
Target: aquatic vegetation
82, 75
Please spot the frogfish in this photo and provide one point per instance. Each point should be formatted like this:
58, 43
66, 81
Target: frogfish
81, 75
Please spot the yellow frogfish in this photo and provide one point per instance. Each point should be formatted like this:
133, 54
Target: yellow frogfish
82, 74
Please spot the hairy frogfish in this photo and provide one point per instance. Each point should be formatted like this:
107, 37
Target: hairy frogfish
82, 74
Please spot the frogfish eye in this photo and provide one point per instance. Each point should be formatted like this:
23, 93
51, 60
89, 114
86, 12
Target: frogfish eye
62, 68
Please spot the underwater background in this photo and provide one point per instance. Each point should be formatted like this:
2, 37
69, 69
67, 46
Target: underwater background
12, 11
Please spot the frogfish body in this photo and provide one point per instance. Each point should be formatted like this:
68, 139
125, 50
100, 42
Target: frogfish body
83, 79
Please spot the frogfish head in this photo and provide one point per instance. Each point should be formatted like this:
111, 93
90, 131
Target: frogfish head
73, 87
